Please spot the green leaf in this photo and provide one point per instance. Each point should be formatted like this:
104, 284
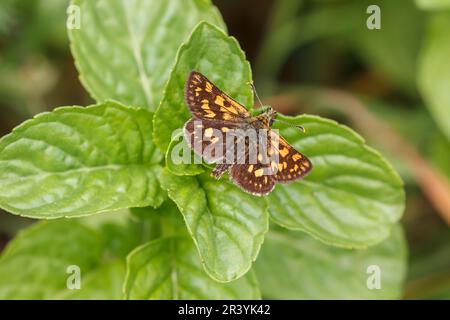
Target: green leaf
308, 269
34, 265
76, 161
124, 50
180, 160
434, 73
433, 4
219, 57
169, 268
103, 283
120, 229
164, 221
227, 224
352, 196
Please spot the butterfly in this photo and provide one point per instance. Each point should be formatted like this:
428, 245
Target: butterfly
224, 132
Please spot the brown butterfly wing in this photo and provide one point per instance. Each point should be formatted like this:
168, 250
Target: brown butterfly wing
257, 179
208, 138
254, 175
292, 165
208, 102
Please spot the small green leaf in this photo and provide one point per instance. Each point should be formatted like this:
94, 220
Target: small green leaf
433, 4
219, 57
352, 196
434, 73
124, 50
180, 160
77, 161
308, 269
35, 264
227, 224
169, 268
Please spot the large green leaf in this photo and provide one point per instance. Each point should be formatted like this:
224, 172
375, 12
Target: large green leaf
169, 268
434, 75
76, 161
219, 57
292, 265
34, 265
351, 198
124, 50
227, 224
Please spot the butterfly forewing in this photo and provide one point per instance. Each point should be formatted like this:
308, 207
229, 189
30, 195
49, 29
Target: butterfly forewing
209, 139
208, 102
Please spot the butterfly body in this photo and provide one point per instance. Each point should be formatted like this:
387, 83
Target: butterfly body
223, 131
264, 120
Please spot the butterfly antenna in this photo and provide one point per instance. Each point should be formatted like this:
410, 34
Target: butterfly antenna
256, 93
261, 104
292, 125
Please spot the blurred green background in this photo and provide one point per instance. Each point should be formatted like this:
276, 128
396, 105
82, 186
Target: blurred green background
310, 56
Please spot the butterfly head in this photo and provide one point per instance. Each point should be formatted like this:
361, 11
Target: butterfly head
265, 116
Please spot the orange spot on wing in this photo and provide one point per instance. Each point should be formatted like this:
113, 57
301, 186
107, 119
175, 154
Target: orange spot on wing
259, 172
208, 132
219, 101
209, 114
284, 152
280, 166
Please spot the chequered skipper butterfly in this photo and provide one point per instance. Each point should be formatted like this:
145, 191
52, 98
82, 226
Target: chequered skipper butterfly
215, 115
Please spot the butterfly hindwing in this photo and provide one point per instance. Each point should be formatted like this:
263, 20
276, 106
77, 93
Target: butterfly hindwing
208, 102
254, 174
292, 165
257, 179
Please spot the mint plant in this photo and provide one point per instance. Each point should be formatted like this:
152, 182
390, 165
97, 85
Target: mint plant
171, 231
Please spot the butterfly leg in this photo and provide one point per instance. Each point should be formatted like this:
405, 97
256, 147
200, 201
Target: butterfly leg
220, 169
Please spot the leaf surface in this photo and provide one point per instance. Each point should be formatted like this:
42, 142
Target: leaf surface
124, 50
351, 198
169, 268
227, 224
77, 161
